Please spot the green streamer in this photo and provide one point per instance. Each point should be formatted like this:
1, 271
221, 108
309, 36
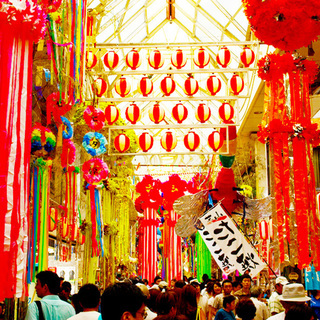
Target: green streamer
203, 258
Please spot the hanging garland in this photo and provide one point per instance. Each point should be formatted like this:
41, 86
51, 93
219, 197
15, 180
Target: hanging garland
94, 143
42, 138
95, 170
68, 154
94, 117
57, 105
68, 132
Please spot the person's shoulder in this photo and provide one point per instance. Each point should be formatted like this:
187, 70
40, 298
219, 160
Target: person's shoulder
238, 293
278, 316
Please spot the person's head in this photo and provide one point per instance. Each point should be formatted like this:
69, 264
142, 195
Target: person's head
48, 283
144, 289
229, 302
163, 285
157, 280
123, 301
151, 302
166, 303
188, 301
300, 312
246, 309
246, 282
65, 290
280, 282
76, 303
89, 296
293, 294
255, 292
236, 285
179, 284
172, 282
205, 278
195, 283
226, 287
145, 282
217, 288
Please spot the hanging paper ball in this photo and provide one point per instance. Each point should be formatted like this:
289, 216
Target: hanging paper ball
94, 117
43, 141
236, 84
53, 219
232, 130
191, 140
264, 230
201, 57
226, 112
145, 86
213, 85
191, 86
178, 59
133, 114
133, 59
156, 113
156, 59
95, 170
91, 60
167, 85
99, 87
95, 143
224, 57
203, 113
122, 142
111, 59
145, 141
168, 141
122, 87
247, 56
179, 112
215, 140
112, 114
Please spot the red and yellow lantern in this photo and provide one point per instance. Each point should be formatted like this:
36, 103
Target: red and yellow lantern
236, 84
53, 219
133, 113
203, 113
91, 60
264, 230
133, 59
112, 114
247, 56
145, 86
168, 141
191, 86
99, 87
156, 113
122, 87
215, 140
156, 59
178, 59
145, 141
122, 142
213, 85
111, 59
201, 57
191, 140
226, 112
224, 57
167, 85
179, 112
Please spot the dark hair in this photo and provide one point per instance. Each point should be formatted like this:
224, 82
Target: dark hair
188, 302
156, 278
228, 299
226, 281
300, 312
165, 302
51, 279
246, 276
151, 302
89, 296
255, 291
76, 303
171, 317
145, 281
236, 283
66, 286
119, 298
179, 284
246, 309
205, 277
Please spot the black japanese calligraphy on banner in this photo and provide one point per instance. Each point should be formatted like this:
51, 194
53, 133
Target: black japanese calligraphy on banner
220, 233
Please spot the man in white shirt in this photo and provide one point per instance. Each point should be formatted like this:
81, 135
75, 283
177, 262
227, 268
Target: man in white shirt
262, 312
275, 305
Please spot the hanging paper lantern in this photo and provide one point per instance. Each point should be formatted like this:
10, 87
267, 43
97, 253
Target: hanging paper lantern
271, 229
168, 141
145, 141
247, 56
53, 219
156, 113
178, 59
111, 59
224, 57
215, 140
122, 142
201, 57
155, 59
213, 85
112, 114
226, 112
122, 87
191, 140
232, 131
203, 113
263, 228
236, 84
91, 60
133, 113
167, 85
145, 86
179, 112
191, 86
99, 87
133, 59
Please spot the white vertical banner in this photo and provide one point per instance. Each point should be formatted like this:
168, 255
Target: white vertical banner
227, 244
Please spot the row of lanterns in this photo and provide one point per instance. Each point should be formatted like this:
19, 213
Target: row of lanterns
201, 58
167, 85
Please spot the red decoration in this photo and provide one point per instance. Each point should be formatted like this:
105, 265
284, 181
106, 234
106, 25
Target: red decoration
191, 140
270, 227
199, 182
94, 170
57, 105
179, 112
168, 141
215, 140
145, 141
167, 85
99, 87
203, 113
145, 86
91, 60
178, 59
191, 86
263, 230
236, 84
68, 154
155, 59
94, 117
226, 112
112, 114
133, 113
111, 59
53, 219
133, 59
224, 57
122, 142
247, 56
232, 131
156, 113
213, 85
201, 57
122, 87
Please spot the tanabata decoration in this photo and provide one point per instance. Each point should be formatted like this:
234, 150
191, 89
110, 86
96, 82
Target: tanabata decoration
68, 154
95, 170
57, 105
199, 182
43, 141
68, 132
95, 143
94, 117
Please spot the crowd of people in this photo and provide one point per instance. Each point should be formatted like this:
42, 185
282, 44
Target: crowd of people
188, 299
